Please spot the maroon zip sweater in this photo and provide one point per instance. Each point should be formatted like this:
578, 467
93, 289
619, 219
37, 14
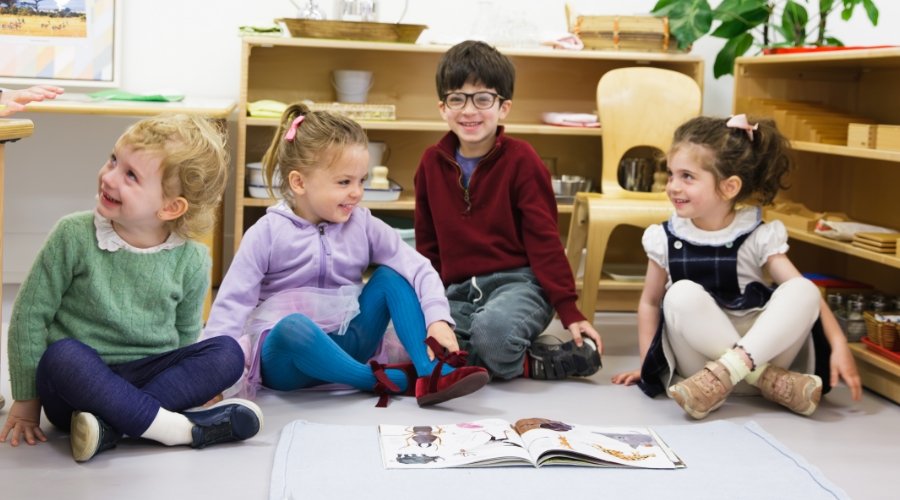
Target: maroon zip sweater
507, 218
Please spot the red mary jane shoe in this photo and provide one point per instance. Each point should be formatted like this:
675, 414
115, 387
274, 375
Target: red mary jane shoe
383, 385
435, 388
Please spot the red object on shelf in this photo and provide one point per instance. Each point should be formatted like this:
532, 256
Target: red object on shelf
802, 50
872, 346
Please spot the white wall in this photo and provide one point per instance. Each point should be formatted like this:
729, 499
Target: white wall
193, 47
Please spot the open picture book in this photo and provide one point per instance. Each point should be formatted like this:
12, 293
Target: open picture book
530, 442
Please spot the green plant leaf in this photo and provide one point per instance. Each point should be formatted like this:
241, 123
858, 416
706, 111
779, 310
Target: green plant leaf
730, 9
733, 49
871, 11
831, 41
850, 5
663, 7
688, 19
739, 16
793, 23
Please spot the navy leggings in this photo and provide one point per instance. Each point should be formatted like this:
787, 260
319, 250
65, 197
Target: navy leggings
297, 353
71, 376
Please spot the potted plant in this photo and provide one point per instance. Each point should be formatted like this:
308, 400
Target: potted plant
765, 24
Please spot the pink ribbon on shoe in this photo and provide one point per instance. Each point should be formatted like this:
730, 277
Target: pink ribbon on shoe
292, 131
740, 121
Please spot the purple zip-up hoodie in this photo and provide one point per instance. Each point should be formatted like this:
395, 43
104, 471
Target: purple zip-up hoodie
282, 251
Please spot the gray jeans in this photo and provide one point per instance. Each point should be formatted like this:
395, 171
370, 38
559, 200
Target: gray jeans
497, 318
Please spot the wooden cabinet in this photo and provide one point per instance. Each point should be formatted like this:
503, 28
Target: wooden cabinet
863, 183
292, 69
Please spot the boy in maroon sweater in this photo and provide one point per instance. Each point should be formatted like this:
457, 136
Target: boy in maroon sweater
486, 218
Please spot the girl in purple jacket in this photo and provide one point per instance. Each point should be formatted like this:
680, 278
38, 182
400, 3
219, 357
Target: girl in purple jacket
294, 296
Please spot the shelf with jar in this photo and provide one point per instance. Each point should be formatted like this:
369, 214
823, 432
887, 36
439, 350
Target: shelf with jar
814, 98
294, 69
829, 91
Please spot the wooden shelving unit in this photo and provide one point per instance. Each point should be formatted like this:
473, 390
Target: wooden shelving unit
863, 183
293, 69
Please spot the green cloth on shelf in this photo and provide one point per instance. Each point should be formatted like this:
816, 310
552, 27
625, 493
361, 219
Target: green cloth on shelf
266, 108
121, 95
260, 30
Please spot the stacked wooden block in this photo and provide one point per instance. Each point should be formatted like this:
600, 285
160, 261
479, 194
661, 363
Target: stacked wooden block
880, 136
806, 121
877, 242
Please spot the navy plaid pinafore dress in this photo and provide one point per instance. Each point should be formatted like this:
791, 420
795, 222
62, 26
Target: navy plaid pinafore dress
715, 269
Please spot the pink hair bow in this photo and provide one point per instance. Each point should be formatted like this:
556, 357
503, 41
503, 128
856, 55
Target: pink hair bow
740, 121
292, 131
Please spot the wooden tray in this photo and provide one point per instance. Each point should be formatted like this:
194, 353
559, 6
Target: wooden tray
353, 30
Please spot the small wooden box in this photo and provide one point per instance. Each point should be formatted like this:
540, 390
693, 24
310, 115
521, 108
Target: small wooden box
861, 135
884, 137
878, 373
797, 216
887, 137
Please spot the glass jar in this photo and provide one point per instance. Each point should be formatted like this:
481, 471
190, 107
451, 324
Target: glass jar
836, 303
877, 303
856, 323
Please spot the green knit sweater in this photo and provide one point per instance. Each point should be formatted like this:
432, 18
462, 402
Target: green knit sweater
126, 305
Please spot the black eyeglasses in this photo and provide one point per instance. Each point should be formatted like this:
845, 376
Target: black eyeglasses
481, 100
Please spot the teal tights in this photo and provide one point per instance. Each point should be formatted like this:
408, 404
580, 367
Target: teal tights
297, 353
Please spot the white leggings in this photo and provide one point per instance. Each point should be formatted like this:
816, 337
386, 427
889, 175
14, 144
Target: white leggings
700, 331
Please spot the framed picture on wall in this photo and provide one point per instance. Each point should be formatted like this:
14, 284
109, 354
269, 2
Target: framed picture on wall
61, 42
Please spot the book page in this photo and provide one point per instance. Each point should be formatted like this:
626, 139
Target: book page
555, 442
481, 443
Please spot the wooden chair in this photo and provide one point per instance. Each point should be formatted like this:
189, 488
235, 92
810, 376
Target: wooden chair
639, 106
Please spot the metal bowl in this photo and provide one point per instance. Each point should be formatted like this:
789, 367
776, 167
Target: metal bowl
568, 185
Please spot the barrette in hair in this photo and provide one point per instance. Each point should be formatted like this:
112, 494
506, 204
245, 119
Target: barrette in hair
292, 130
740, 121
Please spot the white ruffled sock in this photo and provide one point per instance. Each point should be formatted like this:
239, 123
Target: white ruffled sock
735, 364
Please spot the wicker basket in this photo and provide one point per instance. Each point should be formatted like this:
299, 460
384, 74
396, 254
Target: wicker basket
353, 30
882, 333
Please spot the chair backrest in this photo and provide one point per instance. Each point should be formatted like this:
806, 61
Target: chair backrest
641, 106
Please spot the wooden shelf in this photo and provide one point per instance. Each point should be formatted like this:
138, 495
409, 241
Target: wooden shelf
861, 153
73, 103
407, 204
634, 57
877, 372
296, 69
856, 181
440, 126
844, 248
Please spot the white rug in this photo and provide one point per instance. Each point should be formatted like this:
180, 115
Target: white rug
724, 460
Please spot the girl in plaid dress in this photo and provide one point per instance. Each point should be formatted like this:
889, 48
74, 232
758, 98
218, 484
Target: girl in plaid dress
708, 320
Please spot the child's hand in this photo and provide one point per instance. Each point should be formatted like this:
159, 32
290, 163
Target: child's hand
627, 378
844, 367
444, 334
15, 100
24, 420
580, 328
